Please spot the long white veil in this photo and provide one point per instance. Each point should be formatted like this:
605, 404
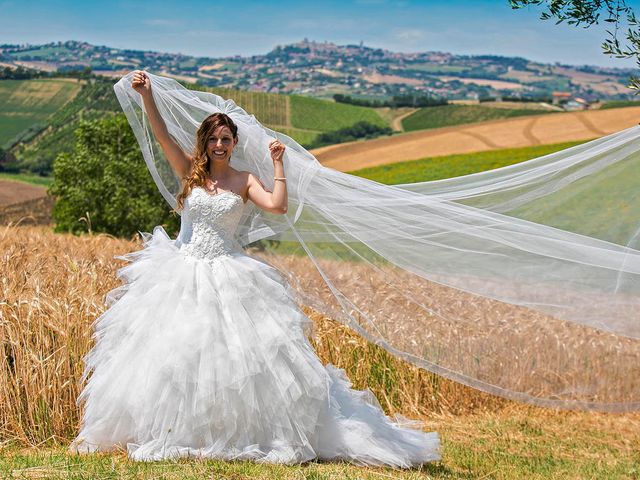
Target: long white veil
523, 281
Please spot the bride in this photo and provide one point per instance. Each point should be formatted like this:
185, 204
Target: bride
204, 352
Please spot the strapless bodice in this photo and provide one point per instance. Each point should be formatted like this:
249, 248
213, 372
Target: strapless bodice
208, 224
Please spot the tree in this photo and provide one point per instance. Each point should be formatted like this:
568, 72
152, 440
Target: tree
586, 13
104, 185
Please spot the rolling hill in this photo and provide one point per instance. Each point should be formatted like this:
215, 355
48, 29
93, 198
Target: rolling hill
447, 115
322, 69
26, 105
43, 121
40, 116
491, 135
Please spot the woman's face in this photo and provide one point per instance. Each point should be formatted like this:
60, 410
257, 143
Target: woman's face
220, 144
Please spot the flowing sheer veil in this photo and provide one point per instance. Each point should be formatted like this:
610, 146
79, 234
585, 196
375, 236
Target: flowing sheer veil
523, 281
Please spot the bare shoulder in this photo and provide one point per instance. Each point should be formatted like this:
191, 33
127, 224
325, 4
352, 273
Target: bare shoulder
253, 179
240, 175
246, 177
243, 180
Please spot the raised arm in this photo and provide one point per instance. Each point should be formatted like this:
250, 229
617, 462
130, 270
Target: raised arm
276, 201
178, 158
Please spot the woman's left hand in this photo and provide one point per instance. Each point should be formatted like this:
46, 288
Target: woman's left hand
277, 150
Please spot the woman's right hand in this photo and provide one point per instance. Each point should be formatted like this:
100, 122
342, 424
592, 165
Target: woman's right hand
141, 82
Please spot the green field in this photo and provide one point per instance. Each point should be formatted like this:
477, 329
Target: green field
269, 108
449, 115
426, 169
436, 168
303, 137
301, 118
43, 52
620, 104
90, 101
27, 178
29, 103
611, 199
27, 108
602, 205
325, 116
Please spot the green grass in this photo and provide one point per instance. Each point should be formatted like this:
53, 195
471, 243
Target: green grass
43, 52
27, 178
27, 103
602, 205
449, 115
620, 104
303, 137
12, 126
325, 116
93, 100
57, 464
519, 443
301, 118
436, 168
276, 112
611, 198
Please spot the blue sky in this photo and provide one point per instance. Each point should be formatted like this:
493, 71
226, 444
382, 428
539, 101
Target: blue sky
247, 27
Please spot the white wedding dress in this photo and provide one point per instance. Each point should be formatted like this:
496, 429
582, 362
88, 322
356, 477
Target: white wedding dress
203, 352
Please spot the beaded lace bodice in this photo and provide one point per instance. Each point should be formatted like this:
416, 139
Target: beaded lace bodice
208, 224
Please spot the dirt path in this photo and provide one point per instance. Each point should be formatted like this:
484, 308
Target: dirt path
511, 133
528, 132
396, 125
589, 124
481, 138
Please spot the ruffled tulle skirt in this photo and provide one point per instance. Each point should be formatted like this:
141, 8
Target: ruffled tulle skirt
211, 359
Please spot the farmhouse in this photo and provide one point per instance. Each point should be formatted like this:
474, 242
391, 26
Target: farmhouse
567, 101
560, 97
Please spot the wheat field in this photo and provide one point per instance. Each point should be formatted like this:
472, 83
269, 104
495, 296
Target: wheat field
53, 287
478, 137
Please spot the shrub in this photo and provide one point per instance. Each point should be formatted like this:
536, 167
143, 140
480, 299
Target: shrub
397, 101
104, 185
356, 131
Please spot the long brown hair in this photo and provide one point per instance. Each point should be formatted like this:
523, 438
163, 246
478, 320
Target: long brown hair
201, 165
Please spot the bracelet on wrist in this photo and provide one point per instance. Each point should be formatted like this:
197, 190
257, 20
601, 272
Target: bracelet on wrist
279, 178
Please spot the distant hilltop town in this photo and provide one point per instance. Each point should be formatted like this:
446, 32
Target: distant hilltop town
324, 69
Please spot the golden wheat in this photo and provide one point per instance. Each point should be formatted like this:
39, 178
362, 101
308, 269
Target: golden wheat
53, 288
